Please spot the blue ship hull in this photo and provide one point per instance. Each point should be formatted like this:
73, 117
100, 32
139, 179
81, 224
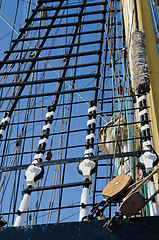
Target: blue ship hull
135, 229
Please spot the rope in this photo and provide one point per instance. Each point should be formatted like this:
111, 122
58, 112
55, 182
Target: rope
141, 182
3, 8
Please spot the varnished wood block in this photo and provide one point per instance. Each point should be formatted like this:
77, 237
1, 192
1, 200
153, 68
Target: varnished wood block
117, 187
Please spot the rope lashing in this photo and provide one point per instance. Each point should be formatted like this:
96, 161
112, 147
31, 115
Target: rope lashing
145, 128
90, 137
4, 122
141, 82
91, 124
45, 134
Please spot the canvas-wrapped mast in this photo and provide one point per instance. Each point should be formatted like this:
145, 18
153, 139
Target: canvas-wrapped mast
141, 78
141, 82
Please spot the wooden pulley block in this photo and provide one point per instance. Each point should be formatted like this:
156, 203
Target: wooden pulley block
117, 189
134, 203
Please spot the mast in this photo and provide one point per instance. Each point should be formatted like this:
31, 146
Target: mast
146, 24
151, 40
137, 22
